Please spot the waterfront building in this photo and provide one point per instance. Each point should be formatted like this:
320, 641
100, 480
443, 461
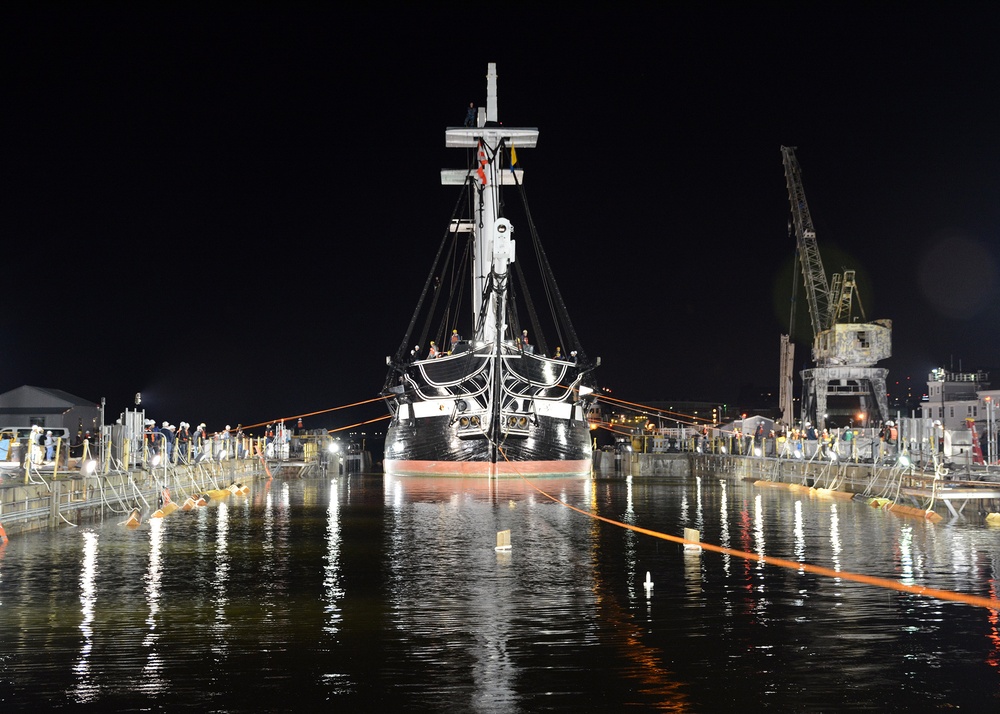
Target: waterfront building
953, 397
29, 406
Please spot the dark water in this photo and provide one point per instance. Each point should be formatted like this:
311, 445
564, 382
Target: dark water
369, 595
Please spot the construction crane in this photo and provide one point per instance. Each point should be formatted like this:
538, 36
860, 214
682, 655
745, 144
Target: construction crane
845, 385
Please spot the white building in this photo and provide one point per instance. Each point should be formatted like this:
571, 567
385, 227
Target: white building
953, 397
30, 406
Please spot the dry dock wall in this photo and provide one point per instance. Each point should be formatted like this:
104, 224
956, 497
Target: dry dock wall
965, 495
46, 502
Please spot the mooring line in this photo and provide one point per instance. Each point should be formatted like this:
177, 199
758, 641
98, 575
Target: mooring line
309, 414
922, 591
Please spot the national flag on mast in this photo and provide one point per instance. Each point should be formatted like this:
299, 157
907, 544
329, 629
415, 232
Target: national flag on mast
513, 156
481, 170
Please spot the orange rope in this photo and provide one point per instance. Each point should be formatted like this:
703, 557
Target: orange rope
694, 419
975, 600
308, 414
360, 423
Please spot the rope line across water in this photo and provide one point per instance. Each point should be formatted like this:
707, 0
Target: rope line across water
922, 591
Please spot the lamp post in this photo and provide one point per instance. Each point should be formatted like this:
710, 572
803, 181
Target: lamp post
989, 429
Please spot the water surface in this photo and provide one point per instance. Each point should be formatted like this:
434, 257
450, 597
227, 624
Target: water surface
363, 592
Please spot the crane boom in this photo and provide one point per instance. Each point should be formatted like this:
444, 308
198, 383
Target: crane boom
845, 346
817, 286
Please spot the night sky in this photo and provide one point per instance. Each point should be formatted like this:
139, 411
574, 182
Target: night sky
233, 210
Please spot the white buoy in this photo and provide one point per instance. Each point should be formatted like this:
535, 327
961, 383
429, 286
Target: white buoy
648, 584
692, 535
503, 541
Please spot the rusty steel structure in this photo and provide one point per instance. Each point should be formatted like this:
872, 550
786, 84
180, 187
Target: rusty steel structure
845, 381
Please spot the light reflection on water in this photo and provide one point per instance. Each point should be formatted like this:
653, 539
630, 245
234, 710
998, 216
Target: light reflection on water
85, 689
365, 592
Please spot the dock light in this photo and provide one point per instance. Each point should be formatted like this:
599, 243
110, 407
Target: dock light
798, 454
833, 456
89, 467
722, 450
756, 451
903, 461
333, 448
155, 461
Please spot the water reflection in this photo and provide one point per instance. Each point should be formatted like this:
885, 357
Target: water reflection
905, 554
87, 689
333, 590
384, 594
220, 580
724, 525
699, 519
631, 540
799, 535
835, 544
453, 593
758, 530
152, 680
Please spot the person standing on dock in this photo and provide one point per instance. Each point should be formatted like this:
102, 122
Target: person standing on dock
35, 444
168, 439
50, 446
199, 438
183, 438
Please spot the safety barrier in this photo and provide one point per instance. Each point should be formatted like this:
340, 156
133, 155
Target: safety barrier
48, 500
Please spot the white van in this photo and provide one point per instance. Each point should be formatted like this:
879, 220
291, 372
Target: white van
10, 435
22, 433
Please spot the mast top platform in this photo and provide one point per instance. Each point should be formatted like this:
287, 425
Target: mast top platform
492, 130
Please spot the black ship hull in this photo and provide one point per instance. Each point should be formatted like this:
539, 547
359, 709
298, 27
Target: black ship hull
431, 446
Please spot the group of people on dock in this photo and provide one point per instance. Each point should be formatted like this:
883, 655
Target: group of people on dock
181, 444
783, 441
41, 446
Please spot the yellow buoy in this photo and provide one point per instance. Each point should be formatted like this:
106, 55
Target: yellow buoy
133, 519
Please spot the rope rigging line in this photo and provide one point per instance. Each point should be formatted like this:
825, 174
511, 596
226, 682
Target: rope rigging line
556, 303
695, 420
309, 414
360, 423
404, 346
